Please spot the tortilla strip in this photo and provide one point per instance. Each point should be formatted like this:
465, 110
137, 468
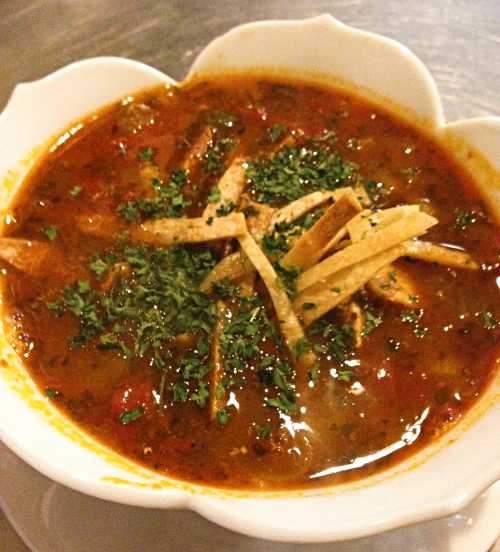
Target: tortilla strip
432, 253
393, 284
308, 249
189, 230
232, 266
354, 317
300, 207
217, 372
31, 257
339, 286
413, 225
290, 327
230, 185
362, 196
303, 205
372, 221
198, 150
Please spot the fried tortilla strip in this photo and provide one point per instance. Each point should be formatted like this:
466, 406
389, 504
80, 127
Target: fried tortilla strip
290, 327
339, 286
362, 196
198, 150
426, 251
257, 226
217, 374
233, 266
368, 221
393, 284
230, 186
413, 225
31, 257
300, 207
237, 265
308, 249
184, 230
303, 205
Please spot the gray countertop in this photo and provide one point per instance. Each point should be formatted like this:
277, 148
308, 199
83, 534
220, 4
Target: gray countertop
458, 40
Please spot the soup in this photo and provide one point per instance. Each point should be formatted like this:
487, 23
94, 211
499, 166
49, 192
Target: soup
254, 283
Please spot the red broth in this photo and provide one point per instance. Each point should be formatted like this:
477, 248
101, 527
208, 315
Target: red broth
143, 388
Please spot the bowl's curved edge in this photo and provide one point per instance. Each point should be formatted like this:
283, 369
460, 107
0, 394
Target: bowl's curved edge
247, 46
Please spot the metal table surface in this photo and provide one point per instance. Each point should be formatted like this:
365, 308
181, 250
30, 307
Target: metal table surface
458, 40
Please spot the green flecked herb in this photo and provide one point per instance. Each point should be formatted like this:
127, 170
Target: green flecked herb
301, 347
287, 277
52, 393
375, 190
168, 200
100, 265
50, 232
338, 339
221, 118
372, 319
225, 209
222, 416
274, 133
75, 191
308, 306
464, 218
213, 160
489, 320
409, 316
214, 195
263, 432
146, 154
294, 172
129, 416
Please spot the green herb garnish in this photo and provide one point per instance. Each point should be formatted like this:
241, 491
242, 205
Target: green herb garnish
50, 232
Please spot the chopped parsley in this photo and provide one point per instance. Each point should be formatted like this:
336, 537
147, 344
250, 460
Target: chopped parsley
225, 209
263, 432
50, 232
214, 195
375, 190
339, 339
221, 118
75, 191
129, 416
146, 310
222, 416
167, 202
464, 219
372, 319
294, 172
274, 133
213, 160
275, 373
489, 320
100, 265
287, 277
52, 393
146, 154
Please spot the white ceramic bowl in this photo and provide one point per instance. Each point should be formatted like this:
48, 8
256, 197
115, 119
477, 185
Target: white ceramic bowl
439, 481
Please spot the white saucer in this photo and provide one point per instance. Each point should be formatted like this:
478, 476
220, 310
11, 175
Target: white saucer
53, 518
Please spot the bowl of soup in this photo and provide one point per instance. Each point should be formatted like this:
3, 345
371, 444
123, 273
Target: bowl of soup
268, 293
